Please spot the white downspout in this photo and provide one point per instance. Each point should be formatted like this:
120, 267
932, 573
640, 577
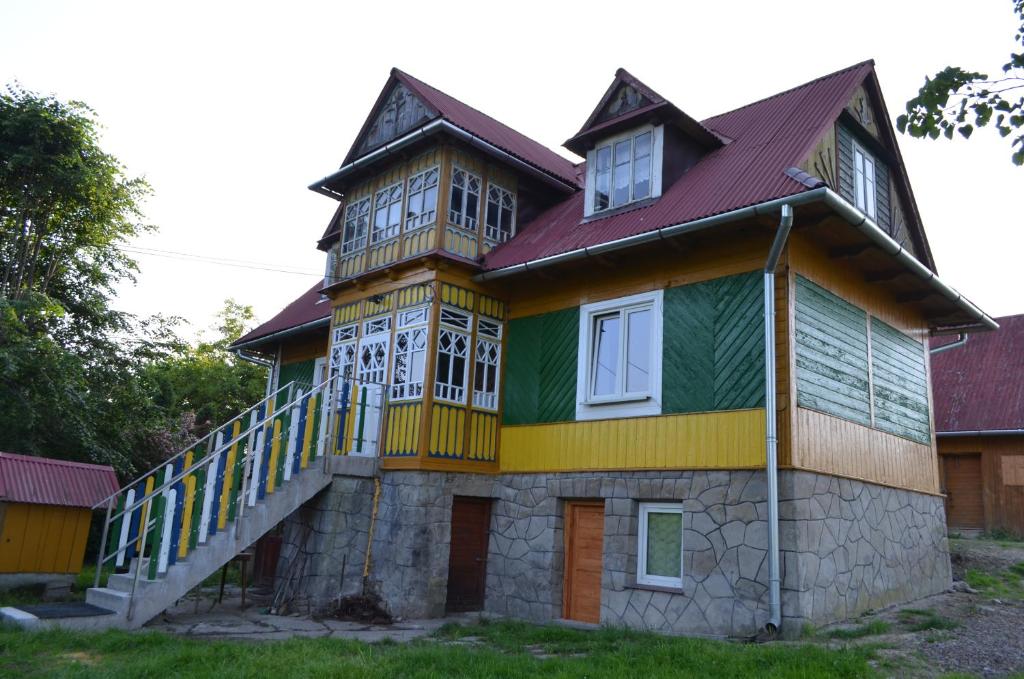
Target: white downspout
771, 431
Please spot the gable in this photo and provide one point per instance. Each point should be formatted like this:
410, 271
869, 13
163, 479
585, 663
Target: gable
400, 112
623, 100
862, 110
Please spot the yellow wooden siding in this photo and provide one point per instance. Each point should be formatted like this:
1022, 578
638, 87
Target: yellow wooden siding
403, 429
483, 436
720, 440
447, 431
832, 445
43, 538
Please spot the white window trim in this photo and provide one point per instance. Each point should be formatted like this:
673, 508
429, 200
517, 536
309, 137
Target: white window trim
633, 406
487, 200
657, 156
463, 214
412, 389
410, 221
861, 202
641, 558
379, 234
357, 242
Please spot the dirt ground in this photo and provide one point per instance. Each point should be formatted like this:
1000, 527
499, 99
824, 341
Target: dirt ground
977, 631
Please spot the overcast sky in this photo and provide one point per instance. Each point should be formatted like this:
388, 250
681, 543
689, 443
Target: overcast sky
231, 109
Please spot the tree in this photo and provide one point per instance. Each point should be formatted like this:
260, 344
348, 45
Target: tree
955, 100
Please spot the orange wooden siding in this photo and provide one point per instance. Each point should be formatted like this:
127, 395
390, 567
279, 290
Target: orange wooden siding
42, 538
1001, 484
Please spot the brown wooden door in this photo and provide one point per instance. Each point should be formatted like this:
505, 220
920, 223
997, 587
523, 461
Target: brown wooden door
467, 561
584, 548
964, 505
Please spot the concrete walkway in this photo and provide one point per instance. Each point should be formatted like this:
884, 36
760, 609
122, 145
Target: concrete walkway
203, 617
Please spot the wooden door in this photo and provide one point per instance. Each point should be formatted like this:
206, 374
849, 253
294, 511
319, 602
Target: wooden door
467, 560
963, 484
584, 550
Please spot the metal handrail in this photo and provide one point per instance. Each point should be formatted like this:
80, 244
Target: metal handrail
197, 442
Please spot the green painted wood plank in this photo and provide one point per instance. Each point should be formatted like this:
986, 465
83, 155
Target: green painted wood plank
688, 349
900, 383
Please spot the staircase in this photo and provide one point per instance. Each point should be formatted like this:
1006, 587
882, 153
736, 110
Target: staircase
175, 526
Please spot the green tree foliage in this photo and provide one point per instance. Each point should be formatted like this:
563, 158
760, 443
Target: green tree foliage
78, 379
958, 101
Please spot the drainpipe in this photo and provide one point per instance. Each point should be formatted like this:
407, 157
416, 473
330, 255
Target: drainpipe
960, 341
252, 358
771, 431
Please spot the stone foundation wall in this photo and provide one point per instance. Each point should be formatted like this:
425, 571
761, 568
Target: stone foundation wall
846, 546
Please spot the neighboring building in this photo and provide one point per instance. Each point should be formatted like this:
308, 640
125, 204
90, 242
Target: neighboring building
560, 396
979, 422
45, 513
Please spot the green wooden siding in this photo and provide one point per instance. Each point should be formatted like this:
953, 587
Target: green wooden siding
713, 345
831, 354
540, 368
900, 383
301, 371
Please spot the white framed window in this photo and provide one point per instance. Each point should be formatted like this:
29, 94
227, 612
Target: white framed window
452, 365
624, 169
410, 354
343, 333
357, 219
487, 365
660, 544
619, 369
464, 201
500, 218
864, 189
387, 213
343, 352
456, 318
377, 325
421, 208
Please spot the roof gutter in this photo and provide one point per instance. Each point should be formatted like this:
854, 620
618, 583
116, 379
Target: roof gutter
435, 127
979, 432
251, 358
823, 194
281, 334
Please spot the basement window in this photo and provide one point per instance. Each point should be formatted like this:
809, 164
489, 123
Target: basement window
660, 545
619, 369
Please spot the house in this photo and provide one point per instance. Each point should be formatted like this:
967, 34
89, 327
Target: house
680, 384
45, 513
979, 422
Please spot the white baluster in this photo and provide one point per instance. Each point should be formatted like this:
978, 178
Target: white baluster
257, 469
211, 485
293, 431
171, 497
126, 525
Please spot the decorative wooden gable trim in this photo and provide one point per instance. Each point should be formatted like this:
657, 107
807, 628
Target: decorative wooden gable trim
396, 112
625, 95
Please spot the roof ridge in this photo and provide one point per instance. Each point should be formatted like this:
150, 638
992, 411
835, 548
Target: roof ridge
847, 69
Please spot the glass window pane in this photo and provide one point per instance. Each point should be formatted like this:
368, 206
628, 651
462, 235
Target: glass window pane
620, 173
664, 544
642, 146
430, 199
602, 177
606, 355
492, 214
471, 205
642, 178
638, 353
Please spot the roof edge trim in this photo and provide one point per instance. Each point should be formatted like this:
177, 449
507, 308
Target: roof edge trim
308, 325
848, 212
980, 432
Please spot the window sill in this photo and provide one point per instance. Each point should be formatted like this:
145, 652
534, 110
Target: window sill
633, 584
615, 399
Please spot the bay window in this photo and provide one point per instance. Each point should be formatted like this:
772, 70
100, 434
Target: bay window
500, 222
452, 355
422, 203
387, 213
464, 202
619, 371
487, 363
357, 219
410, 354
660, 545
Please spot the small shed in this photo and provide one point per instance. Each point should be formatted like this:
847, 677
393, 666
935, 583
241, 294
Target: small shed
45, 512
979, 429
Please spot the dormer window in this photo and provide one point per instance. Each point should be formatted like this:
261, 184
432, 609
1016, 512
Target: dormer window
623, 170
864, 185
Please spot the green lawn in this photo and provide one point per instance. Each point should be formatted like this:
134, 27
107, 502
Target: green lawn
497, 649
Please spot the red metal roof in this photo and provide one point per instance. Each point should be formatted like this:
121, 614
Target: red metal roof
491, 130
767, 137
305, 309
980, 386
44, 481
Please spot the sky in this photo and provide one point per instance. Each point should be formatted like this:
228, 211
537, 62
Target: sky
230, 110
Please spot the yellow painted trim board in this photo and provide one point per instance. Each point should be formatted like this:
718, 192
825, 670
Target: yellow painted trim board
719, 440
186, 512
229, 476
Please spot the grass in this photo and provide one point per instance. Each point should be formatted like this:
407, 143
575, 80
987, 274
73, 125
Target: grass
925, 619
498, 649
870, 629
1006, 584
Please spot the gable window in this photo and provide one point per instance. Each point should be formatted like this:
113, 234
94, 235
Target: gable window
864, 189
410, 354
619, 371
500, 223
452, 355
485, 369
357, 218
660, 544
464, 203
387, 213
422, 205
623, 171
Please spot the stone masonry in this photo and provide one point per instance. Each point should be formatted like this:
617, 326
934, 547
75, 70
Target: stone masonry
847, 546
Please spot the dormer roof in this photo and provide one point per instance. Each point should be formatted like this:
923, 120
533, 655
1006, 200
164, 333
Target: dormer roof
628, 102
